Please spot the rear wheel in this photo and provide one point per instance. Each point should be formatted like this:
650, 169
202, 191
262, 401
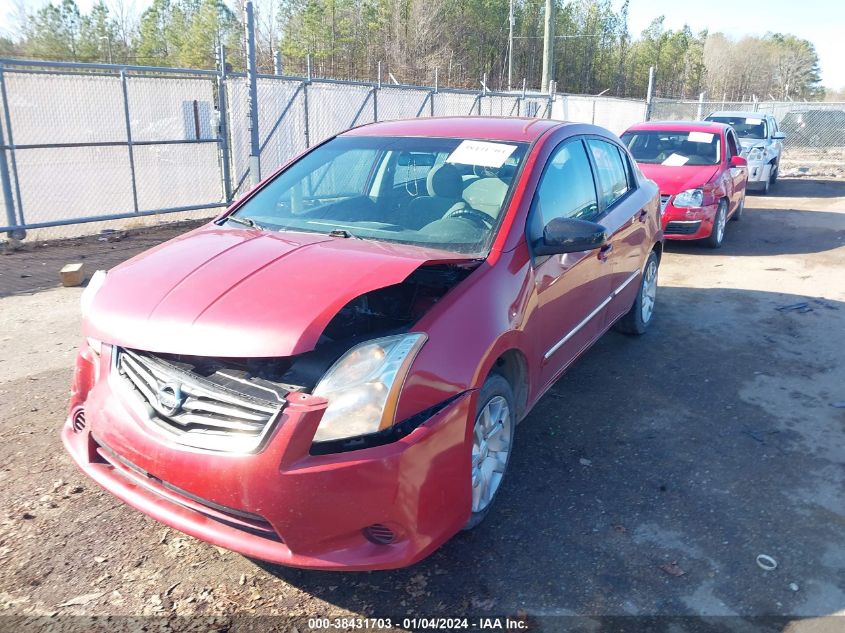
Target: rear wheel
637, 320
717, 236
492, 440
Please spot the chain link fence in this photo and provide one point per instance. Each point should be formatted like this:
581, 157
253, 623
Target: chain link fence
815, 131
88, 143
86, 146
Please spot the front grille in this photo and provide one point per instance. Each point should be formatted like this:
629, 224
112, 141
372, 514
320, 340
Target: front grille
681, 228
197, 411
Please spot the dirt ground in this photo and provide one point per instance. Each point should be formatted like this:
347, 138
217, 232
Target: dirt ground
646, 483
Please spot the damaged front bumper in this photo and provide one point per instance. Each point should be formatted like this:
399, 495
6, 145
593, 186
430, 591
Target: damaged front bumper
759, 172
381, 507
688, 223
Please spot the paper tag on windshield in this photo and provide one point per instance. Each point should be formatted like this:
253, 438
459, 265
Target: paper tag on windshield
675, 160
700, 137
481, 153
753, 121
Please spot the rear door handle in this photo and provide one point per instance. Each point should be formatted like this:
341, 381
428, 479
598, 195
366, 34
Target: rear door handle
604, 251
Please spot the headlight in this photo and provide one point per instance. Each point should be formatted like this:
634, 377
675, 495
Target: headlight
757, 152
91, 290
363, 386
95, 345
689, 198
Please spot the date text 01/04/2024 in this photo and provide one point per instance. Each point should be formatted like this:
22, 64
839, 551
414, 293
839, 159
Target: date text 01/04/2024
418, 623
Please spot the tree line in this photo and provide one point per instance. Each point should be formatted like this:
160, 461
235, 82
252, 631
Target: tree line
406, 40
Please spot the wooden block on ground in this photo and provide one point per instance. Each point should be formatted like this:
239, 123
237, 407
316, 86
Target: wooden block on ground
72, 274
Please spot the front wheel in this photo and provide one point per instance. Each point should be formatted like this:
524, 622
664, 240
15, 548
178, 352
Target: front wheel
492, 440
638, 318
717, 235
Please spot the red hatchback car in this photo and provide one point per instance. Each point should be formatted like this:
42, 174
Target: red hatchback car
699, 171
329, 374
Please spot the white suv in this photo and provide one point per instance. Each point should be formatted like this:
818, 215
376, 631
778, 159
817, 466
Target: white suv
762, 144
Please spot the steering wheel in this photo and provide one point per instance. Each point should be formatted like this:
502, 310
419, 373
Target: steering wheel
479, 218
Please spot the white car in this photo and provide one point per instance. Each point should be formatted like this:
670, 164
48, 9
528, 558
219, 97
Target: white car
762, 144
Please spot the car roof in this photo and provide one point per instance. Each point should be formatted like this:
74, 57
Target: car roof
516, 129
680, 126
740, 113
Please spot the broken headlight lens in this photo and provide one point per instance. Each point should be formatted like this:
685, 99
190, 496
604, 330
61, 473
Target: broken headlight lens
758, 152
689, 198
363, 386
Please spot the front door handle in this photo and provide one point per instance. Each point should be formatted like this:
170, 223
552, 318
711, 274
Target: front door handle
604, 251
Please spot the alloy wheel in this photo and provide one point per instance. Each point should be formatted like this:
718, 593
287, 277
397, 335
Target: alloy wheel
649, 291
491, 445
720, 223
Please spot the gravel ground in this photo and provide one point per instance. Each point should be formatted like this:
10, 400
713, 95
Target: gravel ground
645, 483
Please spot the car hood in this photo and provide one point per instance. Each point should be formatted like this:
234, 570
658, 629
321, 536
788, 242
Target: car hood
227, 292
672, 180
748, 143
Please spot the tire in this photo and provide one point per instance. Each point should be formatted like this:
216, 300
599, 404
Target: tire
773, 176
638, 318
496, 399
717, 236
737, 216
766, 186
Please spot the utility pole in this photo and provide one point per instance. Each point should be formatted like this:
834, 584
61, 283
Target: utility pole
510, 46
548, 45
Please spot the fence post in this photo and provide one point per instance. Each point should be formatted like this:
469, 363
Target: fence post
305, 85
277, 63
123, 82
17, 234
377, 87
223, 127
11, 218
649, 93
700, 112
252, 96
434, 92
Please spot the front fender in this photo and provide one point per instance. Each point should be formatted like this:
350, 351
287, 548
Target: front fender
468, 330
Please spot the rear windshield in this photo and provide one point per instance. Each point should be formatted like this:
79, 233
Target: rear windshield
673, 148
746, 127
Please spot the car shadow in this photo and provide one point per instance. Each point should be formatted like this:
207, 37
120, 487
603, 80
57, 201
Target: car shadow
643, 482
803, 188
773, 232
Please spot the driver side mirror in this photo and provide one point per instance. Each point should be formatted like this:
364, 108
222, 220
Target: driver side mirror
778, 136
570, 235
738, 161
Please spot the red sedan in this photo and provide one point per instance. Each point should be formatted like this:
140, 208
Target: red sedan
329, 375
699, 171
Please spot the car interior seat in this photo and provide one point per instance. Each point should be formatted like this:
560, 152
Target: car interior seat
444, 185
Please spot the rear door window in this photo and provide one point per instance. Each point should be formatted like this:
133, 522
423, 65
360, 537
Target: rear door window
612, 172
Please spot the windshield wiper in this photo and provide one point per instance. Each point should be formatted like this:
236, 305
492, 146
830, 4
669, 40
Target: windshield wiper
245, 221
343, 233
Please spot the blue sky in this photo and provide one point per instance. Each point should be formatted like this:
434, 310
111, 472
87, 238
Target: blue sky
820, 21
